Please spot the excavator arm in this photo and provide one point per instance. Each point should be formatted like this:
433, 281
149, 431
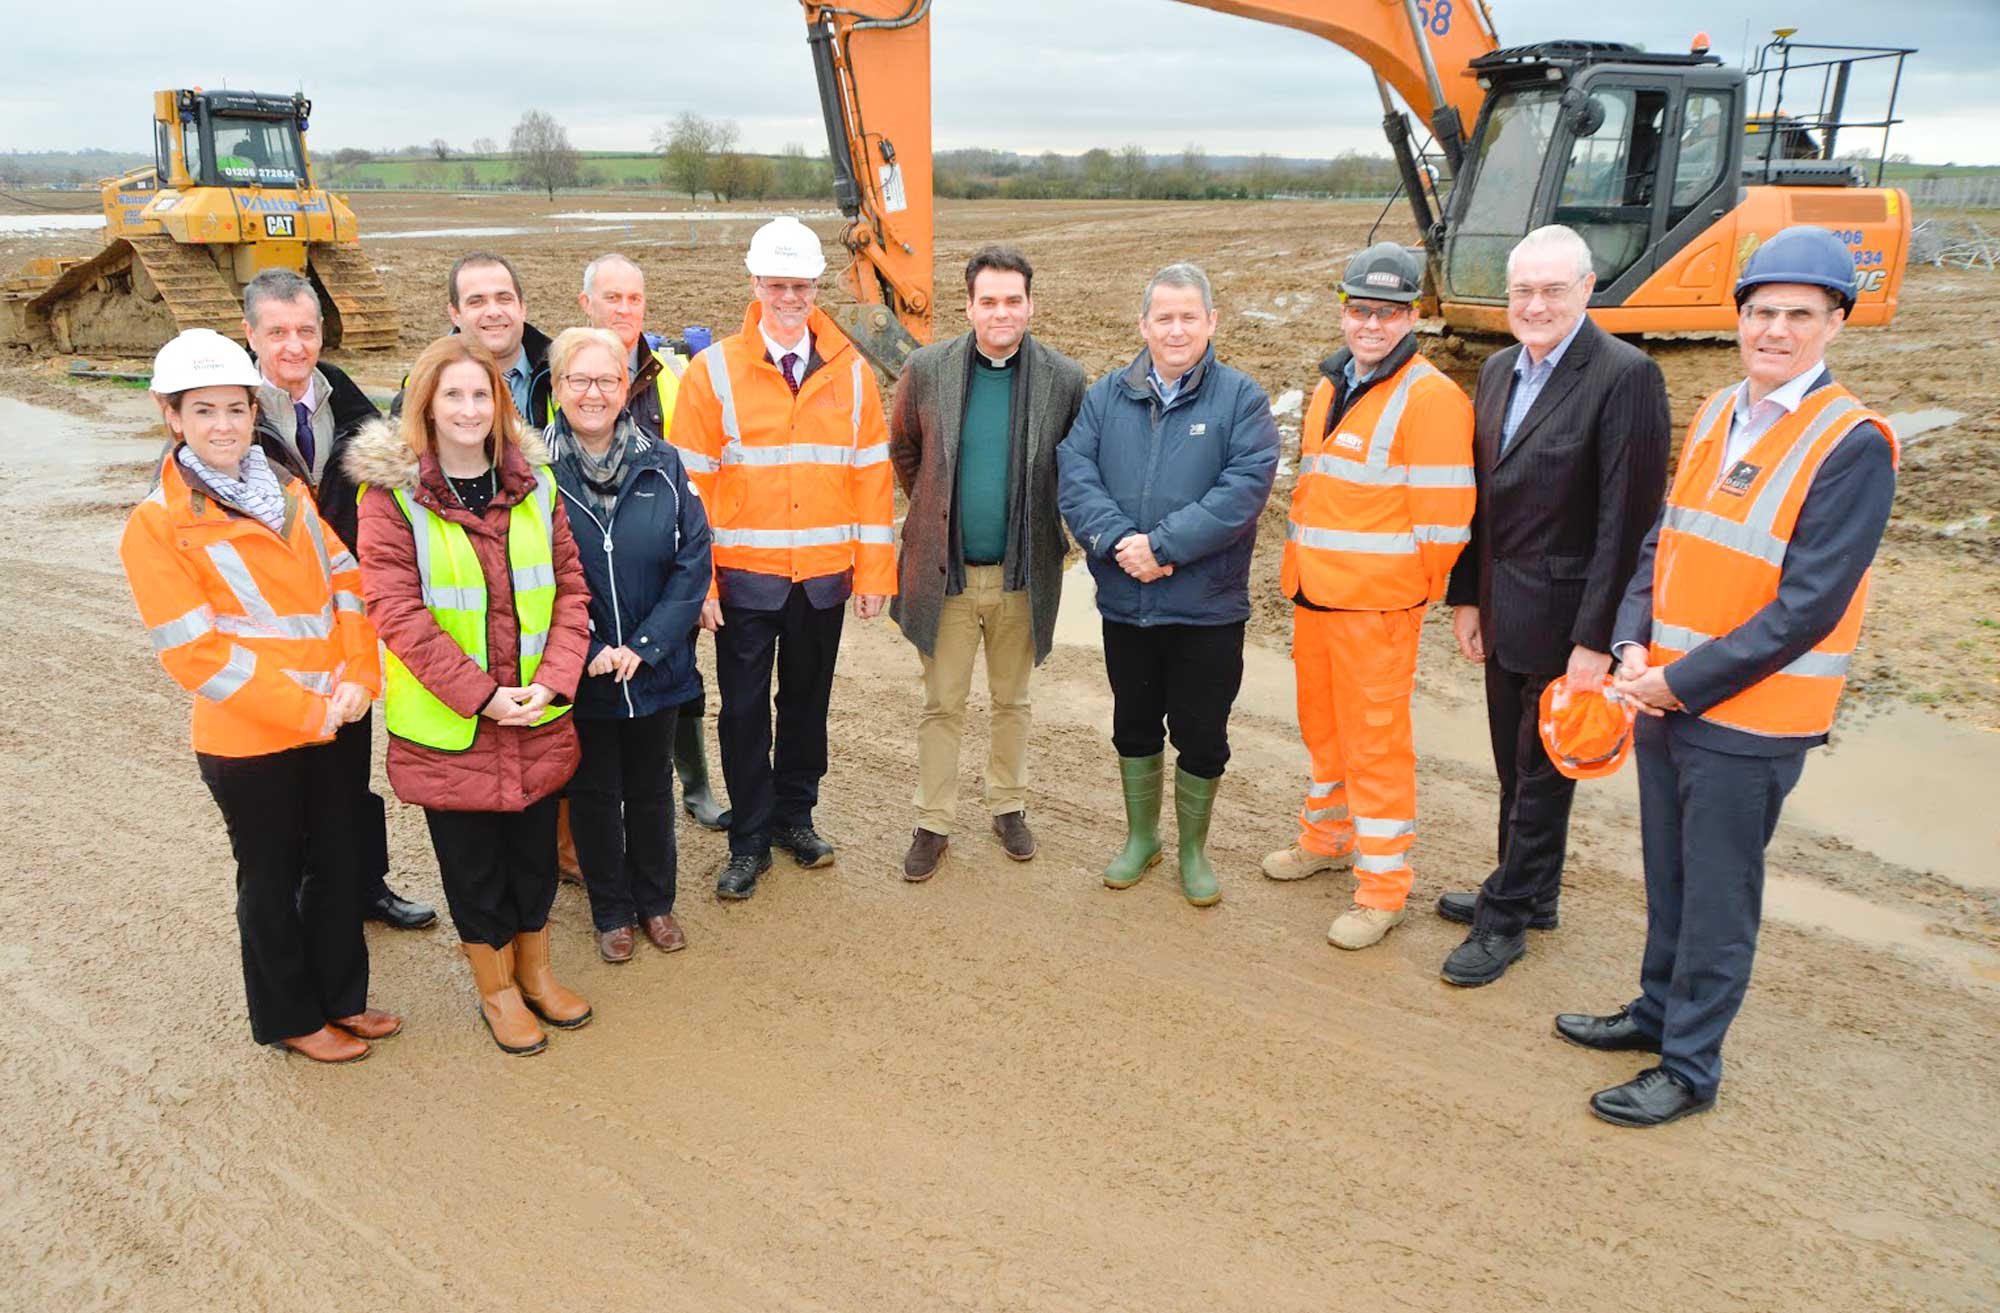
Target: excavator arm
873, 62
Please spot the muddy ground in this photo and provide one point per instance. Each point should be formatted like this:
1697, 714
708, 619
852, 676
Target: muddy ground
1010, 1088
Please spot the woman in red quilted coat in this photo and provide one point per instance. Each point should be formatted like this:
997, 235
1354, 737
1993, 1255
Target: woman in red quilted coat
474, 585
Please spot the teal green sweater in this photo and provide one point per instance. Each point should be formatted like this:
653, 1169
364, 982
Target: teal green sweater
983, 439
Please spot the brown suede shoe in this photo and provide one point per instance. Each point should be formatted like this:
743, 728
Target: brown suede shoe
665, 933
1015, 836
371, 1023
926, 851
327, 1045
615, 945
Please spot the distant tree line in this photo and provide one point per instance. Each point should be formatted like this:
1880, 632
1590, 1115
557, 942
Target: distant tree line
1131, 174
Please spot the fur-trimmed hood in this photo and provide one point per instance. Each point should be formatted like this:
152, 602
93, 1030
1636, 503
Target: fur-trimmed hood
380, 458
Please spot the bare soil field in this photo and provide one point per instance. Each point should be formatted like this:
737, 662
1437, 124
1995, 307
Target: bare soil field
1009, 1089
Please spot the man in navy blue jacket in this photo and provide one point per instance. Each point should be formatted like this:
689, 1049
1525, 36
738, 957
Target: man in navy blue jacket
1162, 480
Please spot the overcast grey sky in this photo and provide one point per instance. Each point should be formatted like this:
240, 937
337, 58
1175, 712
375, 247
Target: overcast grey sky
1027, 75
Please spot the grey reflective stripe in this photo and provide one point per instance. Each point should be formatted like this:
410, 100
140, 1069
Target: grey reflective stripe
343, 560
1351, 540
697, 463
545, 496
534, 644
725, 394
258, 619
437, 598
858, 367
534, 576
1754, 535
1711, 411
839, 533
794, 453
1442, 533
186, 629
311, 517
1326, 813
879, 534
1372, 827
1679, 637
873, 454
234, 674
312, 681
1378, 865
346, 601
1384, 438
672, 360
1441, 476
1318, 790
1352, 471
1820, 665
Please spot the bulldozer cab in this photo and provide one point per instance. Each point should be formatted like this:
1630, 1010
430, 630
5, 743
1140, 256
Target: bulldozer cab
1638, 152
232, 139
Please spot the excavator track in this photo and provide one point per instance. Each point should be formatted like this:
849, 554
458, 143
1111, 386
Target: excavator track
360, 317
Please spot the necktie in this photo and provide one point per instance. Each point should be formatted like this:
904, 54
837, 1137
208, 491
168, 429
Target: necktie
790, 359
303, 433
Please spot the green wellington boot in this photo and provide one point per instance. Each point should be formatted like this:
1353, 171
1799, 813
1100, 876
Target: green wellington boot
1143, 778
1194, 800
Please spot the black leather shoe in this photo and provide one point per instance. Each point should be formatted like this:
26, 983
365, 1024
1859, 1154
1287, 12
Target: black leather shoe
1652, 1098
739, 878
400, 912
1460, 907
806, 847
1613, 1034
1484, 957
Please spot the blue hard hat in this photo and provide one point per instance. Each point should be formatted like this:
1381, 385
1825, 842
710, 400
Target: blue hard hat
1801, 254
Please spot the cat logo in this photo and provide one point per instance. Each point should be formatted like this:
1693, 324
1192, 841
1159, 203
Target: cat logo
1741, 475
281, 225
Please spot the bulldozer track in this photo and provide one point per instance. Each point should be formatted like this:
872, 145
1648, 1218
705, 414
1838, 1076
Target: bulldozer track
367, 320
194, 290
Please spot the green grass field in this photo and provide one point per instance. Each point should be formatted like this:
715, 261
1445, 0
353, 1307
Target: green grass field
600, 168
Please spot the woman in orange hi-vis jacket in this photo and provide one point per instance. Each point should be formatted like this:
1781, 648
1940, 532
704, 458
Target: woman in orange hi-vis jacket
254, 606
1381, 512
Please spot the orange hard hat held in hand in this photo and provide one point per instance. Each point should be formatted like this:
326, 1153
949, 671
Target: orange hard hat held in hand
1587, 733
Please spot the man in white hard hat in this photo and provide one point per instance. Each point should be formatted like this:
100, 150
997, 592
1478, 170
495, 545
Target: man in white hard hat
781, 427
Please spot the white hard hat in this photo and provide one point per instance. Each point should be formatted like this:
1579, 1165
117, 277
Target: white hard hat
201, 358
785, 248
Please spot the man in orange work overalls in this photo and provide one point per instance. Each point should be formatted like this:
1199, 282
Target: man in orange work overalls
1380, 512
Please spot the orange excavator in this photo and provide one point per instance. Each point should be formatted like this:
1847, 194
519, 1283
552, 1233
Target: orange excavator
1673, 167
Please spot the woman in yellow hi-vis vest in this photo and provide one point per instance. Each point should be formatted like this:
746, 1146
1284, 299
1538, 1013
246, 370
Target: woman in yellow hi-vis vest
475, 587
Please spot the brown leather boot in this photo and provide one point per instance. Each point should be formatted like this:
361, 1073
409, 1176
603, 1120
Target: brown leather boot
552, 1003
507, 1017
328, 1045
567, 870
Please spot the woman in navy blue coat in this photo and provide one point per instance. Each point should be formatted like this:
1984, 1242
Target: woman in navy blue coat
644, 541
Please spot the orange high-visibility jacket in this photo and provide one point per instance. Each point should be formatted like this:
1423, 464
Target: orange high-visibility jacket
1384, 502
1722, 546
795, 486
259, 626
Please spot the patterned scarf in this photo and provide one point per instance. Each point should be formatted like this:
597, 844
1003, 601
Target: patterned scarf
254, 489
601, 475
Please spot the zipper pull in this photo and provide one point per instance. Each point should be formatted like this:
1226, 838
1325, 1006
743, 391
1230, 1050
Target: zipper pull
607, 544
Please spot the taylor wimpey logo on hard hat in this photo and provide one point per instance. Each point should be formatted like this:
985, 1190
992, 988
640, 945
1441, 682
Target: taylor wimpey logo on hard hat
1383, 278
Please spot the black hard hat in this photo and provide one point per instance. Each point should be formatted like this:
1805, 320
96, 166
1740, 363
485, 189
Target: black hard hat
1386, 271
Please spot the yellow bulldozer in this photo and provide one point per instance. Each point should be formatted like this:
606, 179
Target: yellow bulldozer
230, 193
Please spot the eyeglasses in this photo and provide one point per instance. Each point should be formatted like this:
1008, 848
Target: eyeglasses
1374, 310
1764, 316
1522, 293
581, 383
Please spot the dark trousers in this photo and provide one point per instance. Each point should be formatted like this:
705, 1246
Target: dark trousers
774, 787
354, 744
1178, 681
1534, 805
499, 870
289, 816
1705, 818
621, 814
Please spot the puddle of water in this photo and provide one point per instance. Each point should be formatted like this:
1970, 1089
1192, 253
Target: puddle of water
1913, 424
16, 225
689, 216
453, 232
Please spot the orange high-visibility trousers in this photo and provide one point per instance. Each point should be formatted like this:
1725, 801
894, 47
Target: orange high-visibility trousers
1355, 672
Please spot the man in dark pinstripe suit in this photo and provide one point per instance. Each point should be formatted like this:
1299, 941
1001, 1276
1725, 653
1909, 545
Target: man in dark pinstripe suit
1570, 448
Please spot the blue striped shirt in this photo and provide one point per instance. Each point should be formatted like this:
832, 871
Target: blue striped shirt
1529, 380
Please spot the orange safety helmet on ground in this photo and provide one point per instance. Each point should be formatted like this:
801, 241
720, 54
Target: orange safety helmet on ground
1587, 733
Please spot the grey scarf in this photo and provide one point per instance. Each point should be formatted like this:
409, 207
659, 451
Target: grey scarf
254, 489
601, 475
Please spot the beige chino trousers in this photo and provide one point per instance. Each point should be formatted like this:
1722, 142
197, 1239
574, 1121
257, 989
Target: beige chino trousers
984, 611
